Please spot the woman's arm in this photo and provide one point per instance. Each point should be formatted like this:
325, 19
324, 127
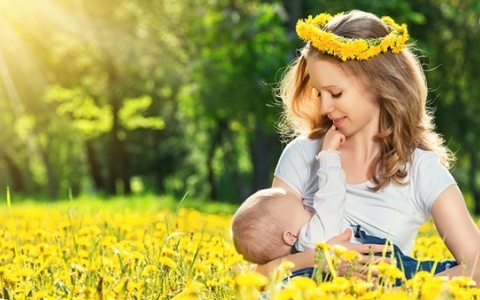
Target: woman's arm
301, 260
306, 259
460, 233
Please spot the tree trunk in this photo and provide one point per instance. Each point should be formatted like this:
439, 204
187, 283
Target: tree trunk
18, 183
216, 140
125, 173
264, 152
295, 11
51, 182
231, 157
118, 167
94, 167
114, 150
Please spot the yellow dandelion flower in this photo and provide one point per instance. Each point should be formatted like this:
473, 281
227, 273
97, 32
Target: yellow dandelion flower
288, 294
167, 262
251, 279
394, 294
320, 19
185, 297
132, 286
149, 270
312, 30
43, 294
381, 267
422, 276
332, 287
323, 246
170, 252
362, 287
303, 283
339, 250
338, 285
201, 267
394, 272
351, 255
11, 278
212, 283
24, 273
463, 281
432, 288
285, 265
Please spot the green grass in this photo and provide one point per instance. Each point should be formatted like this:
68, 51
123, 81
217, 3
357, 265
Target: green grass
134, 203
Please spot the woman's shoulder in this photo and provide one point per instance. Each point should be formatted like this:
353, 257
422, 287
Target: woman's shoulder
428, 164
304, 141
421, 157
305, 146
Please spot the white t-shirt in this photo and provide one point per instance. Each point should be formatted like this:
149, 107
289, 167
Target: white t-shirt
395, 212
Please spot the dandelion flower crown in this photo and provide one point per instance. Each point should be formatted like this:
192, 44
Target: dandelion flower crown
312, 30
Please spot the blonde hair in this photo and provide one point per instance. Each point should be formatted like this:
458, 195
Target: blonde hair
399, 85
257, 227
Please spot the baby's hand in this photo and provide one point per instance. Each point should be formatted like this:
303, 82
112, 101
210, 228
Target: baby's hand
333, 139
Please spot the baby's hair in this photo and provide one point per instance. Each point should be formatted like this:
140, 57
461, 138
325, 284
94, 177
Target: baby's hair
257, 229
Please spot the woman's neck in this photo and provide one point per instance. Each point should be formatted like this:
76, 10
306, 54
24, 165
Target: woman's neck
357, 157
365, 149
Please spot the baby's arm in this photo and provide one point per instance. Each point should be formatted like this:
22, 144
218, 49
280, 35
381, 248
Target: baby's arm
329, 200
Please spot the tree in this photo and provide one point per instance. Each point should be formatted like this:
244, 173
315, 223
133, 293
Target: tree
238, 48
450, 35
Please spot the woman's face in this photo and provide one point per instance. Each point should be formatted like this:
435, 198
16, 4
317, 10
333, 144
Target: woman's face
352, 108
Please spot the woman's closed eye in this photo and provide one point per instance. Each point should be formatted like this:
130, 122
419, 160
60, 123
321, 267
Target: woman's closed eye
337, 95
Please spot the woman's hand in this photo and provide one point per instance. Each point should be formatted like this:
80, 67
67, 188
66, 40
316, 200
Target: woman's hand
359, 268
343, 239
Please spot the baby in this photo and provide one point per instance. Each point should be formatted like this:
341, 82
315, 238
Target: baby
271, 224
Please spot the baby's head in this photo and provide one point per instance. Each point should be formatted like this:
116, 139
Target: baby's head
266, 225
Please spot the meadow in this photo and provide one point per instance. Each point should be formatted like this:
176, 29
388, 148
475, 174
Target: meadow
160, 248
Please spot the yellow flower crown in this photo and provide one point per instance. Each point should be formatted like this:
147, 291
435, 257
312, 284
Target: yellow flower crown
311, 30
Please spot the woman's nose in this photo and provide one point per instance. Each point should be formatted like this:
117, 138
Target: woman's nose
326, 106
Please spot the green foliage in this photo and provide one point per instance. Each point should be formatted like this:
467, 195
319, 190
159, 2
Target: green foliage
131, 117
95, 94
90, 119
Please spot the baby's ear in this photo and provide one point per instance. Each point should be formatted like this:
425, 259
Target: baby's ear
289, 238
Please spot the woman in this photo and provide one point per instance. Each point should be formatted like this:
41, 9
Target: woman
358, 73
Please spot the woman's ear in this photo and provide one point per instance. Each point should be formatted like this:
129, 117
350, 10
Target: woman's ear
289, 238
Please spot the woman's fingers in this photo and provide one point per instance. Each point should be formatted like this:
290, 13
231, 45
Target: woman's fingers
375, 260
368, 248
358, 270
342, 238
362, 268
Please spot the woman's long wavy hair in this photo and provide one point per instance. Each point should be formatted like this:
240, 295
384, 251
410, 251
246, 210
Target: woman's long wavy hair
399, 85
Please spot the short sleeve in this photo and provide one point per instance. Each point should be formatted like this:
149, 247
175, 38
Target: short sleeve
297, 167
430, 177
